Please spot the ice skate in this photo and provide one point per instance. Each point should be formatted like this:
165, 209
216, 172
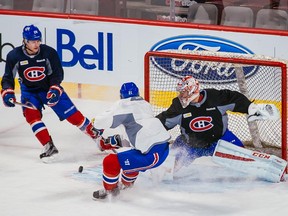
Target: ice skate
93, 132
48, 152
104, 194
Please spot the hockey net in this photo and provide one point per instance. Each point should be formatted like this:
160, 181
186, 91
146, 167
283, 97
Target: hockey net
262, 79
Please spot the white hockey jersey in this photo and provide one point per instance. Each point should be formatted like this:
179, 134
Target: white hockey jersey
136, 117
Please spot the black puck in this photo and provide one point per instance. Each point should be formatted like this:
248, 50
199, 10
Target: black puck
80, 169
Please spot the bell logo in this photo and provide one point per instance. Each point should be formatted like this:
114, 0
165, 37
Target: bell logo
3, 48
99, 56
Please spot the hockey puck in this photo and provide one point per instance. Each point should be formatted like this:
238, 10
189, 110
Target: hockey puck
80, 169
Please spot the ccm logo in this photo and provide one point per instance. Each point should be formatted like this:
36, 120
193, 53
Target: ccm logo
261, 155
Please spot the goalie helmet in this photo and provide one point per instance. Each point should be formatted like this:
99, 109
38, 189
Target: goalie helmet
189, 89
129, 90
31, 32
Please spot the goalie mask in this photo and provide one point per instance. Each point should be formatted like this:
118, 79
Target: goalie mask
189, 90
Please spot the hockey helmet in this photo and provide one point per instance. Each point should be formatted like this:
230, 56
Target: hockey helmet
128, 90
31, 32
189, 89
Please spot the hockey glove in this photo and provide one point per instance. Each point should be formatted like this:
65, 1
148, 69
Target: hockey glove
112, 142
8, 96
53, 95
263, 112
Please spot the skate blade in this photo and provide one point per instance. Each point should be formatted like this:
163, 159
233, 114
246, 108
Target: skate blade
108, 198
50, 159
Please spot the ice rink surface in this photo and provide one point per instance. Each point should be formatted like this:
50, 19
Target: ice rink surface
32, 188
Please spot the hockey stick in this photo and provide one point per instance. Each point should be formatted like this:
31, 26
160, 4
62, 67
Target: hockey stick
24, 105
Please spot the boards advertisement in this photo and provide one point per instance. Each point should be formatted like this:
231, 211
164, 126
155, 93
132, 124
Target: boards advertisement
98, 56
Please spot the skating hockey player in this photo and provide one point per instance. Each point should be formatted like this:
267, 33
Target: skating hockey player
40, 76
145, 136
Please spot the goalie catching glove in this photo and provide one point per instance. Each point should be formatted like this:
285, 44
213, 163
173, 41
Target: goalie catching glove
112, 142
263, 112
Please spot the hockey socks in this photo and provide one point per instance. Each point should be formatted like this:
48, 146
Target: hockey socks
33, 117
111, 171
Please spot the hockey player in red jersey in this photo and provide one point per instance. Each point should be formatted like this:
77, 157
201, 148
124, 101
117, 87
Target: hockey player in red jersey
40, 76
146, 141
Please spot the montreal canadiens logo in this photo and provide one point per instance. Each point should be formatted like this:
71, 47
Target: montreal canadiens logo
200, 124
34, 74
179, 68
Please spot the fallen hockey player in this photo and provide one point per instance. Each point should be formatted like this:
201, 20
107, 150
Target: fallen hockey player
147, 142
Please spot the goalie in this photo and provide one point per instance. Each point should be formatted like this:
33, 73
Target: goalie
202, 116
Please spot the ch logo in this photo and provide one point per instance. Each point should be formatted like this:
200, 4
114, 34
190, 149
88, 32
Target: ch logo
200, 124
34, 74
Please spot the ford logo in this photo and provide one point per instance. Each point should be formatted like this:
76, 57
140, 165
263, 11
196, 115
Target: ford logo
217, 73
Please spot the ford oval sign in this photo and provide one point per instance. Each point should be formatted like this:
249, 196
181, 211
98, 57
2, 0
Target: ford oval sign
180, 68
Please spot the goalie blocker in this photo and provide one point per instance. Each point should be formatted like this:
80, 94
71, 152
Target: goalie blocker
261, 165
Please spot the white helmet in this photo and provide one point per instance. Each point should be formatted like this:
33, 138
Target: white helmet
189, 89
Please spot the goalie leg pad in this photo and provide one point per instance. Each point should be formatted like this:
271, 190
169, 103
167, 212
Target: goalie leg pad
166, 170
261, 165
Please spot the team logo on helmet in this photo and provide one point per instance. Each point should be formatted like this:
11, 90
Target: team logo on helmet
34, 74
31, 32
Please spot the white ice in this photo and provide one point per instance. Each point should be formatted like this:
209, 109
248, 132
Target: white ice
32, 188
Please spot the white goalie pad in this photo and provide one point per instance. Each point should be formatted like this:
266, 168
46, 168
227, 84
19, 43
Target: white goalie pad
261, 165
263, 112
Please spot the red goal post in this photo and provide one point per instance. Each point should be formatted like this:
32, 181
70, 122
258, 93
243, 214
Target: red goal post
262, 79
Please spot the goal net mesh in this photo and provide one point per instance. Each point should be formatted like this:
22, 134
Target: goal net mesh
261, 79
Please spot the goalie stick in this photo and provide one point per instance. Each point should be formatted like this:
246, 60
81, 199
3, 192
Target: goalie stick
261, 165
